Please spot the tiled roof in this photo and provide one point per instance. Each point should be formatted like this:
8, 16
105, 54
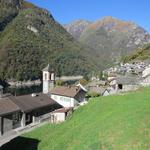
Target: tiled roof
127, 80
28, 103
7, 106
99, 90
68, 91
94, 83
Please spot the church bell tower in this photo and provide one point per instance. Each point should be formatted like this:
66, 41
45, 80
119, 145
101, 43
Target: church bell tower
48, 79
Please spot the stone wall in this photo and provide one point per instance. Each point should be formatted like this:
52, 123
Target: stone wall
59, 117
130, 87
7, 124
44, 114
146, 81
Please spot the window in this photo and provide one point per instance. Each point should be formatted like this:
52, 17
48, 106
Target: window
52, 77
28, 118
65, 99
16, 120
120, 86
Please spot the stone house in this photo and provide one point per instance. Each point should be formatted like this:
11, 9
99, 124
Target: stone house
110, 90
106, 92
18, 112
9, 114
96, 86
125, 83
21, 111
146, 77
35, 108
98, 90
61, 114
145, 81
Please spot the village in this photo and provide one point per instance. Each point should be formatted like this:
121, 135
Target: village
56, 103
74, 75
121, 78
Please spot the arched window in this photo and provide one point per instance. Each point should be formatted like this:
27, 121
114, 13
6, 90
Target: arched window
52, 77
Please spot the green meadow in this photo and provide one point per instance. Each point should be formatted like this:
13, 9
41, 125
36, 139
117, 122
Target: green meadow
120, 122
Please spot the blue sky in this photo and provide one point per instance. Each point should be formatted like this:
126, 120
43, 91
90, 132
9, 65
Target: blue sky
65, 11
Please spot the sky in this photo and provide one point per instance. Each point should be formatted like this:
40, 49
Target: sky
66, 11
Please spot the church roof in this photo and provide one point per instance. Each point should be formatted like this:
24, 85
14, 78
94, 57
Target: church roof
48, 68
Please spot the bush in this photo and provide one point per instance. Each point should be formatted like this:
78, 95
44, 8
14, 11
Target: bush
93, 94
83, 81
59, 82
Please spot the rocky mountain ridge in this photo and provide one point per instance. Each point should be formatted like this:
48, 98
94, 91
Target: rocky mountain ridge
76, 28
110, 24
110, 38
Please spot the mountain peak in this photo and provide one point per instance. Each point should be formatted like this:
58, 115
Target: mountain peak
111, 38
110, 24
108, 18
80, 21
77, 27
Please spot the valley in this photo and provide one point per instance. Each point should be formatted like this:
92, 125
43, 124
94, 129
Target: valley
82, 85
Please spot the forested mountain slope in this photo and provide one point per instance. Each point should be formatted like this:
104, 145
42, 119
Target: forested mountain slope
30, 38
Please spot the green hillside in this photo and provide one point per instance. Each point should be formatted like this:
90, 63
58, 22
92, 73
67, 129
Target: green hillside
139, 54
30, 38
106, 123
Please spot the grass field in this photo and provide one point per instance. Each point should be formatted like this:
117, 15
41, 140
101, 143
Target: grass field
107, 123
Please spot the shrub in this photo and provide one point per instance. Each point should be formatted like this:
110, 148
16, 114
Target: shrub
93, 94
